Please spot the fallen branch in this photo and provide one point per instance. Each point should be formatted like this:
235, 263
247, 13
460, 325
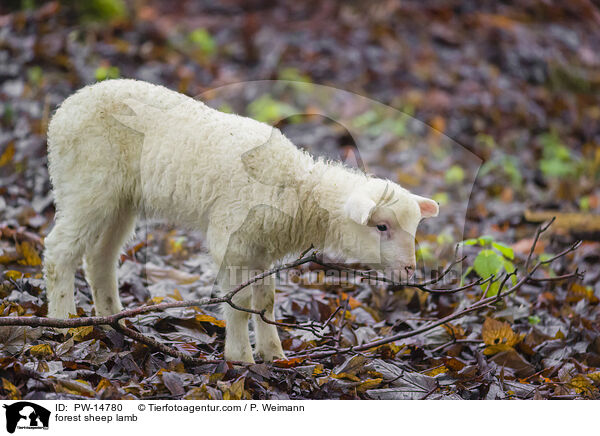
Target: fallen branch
117, 321
481, 304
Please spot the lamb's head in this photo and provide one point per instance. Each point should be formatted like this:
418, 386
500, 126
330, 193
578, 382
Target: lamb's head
379, 224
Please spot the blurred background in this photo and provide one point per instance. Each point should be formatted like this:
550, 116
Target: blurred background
516, 83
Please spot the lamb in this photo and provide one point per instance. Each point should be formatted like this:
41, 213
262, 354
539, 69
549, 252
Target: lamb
120, 148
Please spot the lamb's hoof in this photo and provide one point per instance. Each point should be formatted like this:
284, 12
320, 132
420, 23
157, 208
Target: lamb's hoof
239, 357
271, 354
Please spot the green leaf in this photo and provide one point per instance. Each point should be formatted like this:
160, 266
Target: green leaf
504, 249
268, 110
485, 240
510, 268
35, 75
444, 239
557, 160
103, 73
365, 119
470, 242
584, 203
203, 40
494, 288
485, 139
103, 10
292, 74
534, 319
557, 168
441, 197
488, 263
425, 253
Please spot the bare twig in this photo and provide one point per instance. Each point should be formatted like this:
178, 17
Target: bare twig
117, 320
480, 304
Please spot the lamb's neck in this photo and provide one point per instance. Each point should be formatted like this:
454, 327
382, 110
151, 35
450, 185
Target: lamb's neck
321, 194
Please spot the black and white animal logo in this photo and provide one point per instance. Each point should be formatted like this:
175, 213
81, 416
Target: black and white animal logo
24, 414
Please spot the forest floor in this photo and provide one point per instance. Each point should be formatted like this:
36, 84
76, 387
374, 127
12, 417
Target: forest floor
493, 110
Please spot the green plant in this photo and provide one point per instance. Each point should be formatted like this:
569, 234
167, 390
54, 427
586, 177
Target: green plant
454, 175
203, 40
290, 73
508, 165
107, 72
99, 10
376, 123
492, 259
557, 160
269, 110
35, 75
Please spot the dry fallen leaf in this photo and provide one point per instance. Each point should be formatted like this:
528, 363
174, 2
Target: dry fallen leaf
345, 376
12, 392
210, 319
582, 384
235, 391
370, 383
80, 333
578, 292
455, 331
41, 350
156, 274
509, 358
289, 363
8, 154
353, 303
498, 336
28, 254
594, 377
104, 384
75, 387
12, 274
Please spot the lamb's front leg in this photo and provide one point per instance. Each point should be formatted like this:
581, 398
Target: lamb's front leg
268, 344
237, 341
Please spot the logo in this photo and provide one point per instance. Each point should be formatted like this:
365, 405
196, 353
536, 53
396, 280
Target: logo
26, 415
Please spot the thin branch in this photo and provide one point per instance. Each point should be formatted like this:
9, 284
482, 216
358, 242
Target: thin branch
116, 320
541, 229
480, 304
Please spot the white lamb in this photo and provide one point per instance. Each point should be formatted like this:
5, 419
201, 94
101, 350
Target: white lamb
122, 147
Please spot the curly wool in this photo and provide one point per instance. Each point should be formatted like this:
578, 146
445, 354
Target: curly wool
121, 148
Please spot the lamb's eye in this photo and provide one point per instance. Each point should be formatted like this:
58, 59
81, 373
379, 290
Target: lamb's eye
382, 227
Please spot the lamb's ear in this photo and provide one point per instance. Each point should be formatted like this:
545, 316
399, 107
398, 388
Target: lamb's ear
359, 208
429, 208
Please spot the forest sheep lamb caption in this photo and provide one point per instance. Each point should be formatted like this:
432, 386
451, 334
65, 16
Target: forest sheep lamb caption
121, 148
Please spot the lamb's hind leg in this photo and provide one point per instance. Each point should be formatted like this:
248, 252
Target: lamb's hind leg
268, 344
101, 261
62, 255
